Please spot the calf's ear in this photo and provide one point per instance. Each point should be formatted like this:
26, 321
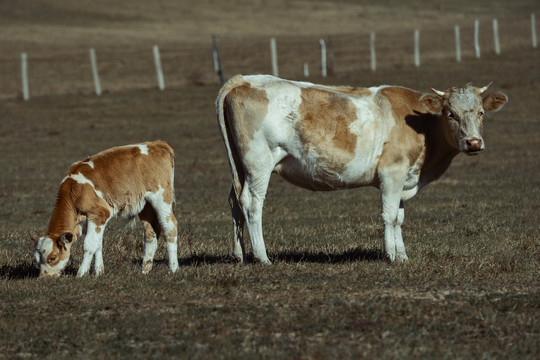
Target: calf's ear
65, 240
432, 103
494, 102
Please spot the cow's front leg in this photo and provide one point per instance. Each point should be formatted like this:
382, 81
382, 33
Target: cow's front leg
393, 215
401, 254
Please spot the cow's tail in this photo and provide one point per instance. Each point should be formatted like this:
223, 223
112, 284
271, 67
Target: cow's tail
224, 122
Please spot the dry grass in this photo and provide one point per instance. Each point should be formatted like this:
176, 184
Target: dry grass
470, 290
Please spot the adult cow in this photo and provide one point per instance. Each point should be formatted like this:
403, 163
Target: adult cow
332, 138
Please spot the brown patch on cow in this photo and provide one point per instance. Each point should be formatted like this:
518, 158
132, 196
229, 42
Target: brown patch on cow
98, 230
404, 145
246, 109
351, 91
323, 126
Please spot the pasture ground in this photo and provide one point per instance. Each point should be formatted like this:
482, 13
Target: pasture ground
470, 290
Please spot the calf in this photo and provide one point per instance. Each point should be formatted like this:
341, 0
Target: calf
123, 181
331, 138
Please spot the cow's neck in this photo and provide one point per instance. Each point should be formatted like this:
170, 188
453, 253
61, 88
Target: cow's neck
64, 216
439, 154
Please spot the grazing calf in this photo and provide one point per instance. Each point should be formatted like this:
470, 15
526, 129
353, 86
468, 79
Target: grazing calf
331, 138
123, 181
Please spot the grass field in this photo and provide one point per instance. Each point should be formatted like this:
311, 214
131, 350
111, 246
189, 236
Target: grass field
470, 290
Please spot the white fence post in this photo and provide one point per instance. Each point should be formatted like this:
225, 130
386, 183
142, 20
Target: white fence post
273, 52
417, 48
476, 38
24, 76
95, 74
533, 30
323, 58
458, 44
306, 70
496, 37
372, 51
159, 70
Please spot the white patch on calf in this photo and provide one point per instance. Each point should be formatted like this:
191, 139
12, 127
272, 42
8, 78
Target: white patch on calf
143, 149
89, 163
81, 179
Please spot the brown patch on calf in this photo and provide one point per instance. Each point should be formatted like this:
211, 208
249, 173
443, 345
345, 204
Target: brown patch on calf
404, 145
323, 126
246, 107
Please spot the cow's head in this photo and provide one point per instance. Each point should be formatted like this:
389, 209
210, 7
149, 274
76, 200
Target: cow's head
52, 254
462, 112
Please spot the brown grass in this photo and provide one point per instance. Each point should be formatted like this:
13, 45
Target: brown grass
470, 290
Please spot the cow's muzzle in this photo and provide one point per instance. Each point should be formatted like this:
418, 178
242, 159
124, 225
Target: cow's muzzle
473, 146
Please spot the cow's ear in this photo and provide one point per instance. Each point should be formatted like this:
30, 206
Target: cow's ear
65, 240
432, 103
494, 102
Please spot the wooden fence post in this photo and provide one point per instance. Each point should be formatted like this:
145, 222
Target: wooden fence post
95, 74
217, 60
306, 70
323, 57
24, 76
372, 51
417, 48
476, 38
496, 37
159, 69
458, 44
533, 31
273, 53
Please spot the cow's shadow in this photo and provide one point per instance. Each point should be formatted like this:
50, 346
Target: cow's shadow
30, 270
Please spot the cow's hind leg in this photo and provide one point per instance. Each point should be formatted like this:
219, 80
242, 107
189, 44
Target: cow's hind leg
152, 231
238, 219
252, 200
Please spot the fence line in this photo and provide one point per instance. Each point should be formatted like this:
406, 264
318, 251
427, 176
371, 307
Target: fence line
250, 55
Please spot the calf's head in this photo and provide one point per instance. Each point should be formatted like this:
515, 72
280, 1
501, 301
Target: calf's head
52, 254
462, 112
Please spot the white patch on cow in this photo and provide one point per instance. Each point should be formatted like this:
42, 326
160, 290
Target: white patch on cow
81, 179
371, 135
143, 149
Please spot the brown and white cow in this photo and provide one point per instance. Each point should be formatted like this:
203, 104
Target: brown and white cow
330, 138
123, 181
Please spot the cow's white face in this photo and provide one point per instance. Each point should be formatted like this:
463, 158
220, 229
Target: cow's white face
462, 110
52, 255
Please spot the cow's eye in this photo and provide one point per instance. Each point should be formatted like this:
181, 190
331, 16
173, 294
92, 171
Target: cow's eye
51, 259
